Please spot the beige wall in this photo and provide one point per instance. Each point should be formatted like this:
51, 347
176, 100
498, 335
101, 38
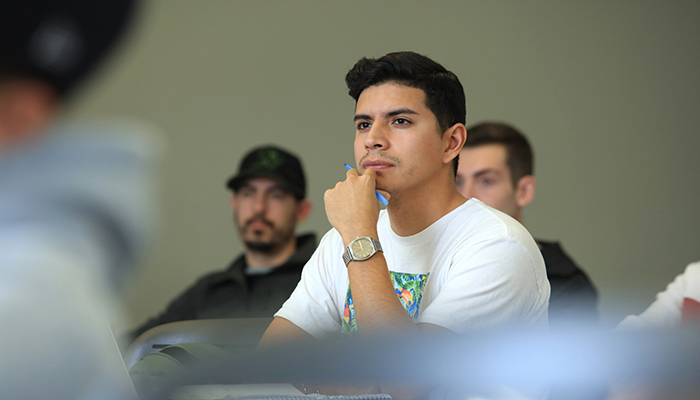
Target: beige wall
608, 93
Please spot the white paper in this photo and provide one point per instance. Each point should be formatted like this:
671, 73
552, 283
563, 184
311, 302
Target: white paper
218, 392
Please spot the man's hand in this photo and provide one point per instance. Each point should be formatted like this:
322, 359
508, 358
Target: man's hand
352, 207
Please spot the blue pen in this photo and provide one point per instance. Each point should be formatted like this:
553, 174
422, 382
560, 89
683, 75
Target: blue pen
380, 197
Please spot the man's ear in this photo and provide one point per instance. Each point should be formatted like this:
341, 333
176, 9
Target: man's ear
26, 106
454, 138
525, 192
303, 210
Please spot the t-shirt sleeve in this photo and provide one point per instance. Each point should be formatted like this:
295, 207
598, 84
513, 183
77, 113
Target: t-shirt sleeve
666, 311
314, 305
492, 283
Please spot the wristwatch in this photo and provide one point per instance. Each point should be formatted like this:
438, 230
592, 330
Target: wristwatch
360, 249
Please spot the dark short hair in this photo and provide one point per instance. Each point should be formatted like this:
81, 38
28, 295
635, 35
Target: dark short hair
519, 157
444, 94
59, 42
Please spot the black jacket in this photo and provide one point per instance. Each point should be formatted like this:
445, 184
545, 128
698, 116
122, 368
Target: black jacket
573, 297
233, 294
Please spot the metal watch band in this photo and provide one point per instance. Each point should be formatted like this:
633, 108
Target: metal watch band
349, 255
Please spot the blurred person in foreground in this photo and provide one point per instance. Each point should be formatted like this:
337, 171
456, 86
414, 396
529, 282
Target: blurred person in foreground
268, 202
432, 262
496, 166
74, 205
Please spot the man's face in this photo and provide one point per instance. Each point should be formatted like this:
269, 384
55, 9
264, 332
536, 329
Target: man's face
397, 136
265, 213
484, 174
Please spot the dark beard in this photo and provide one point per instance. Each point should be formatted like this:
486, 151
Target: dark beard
259, 247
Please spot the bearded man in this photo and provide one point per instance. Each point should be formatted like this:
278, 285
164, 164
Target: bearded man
268, 200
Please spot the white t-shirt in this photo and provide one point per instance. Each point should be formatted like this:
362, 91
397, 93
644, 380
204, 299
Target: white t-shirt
668, 310
474, 268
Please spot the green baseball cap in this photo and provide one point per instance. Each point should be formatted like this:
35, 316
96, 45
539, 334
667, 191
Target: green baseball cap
274, 163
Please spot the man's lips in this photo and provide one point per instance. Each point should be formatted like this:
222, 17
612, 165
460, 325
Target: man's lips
377, 165
257, 224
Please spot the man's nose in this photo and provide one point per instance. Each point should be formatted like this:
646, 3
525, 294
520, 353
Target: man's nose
376, 137
260, 203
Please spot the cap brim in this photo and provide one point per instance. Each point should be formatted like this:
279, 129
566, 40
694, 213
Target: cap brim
235, 182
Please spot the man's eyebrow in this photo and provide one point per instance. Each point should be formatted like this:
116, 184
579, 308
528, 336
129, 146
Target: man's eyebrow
359, 117
278, 187
400, 111
485, 171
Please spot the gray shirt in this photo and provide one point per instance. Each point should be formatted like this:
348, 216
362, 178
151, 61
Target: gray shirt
75, 214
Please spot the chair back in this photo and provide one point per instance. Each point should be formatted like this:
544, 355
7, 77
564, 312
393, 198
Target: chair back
233, 334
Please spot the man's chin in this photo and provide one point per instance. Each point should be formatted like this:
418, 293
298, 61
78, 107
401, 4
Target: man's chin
259, 247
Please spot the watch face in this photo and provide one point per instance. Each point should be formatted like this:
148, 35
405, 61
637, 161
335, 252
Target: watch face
362, 248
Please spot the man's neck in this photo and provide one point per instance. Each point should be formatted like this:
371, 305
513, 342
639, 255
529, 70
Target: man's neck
518, 216
272, 259
412, 211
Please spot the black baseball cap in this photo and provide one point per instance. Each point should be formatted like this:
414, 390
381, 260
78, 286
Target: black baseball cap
274, 163
59, 41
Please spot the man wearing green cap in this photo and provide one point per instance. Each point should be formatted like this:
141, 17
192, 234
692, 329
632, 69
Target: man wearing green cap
268, 201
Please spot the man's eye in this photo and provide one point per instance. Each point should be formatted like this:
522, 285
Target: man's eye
246, 193
487, 182
362, 125
401, 121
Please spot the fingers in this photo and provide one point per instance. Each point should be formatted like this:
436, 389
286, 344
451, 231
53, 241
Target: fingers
370, 173
369, 177
353, 177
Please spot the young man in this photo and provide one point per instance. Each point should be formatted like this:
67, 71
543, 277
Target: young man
432, 261
496, 167
268, 201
